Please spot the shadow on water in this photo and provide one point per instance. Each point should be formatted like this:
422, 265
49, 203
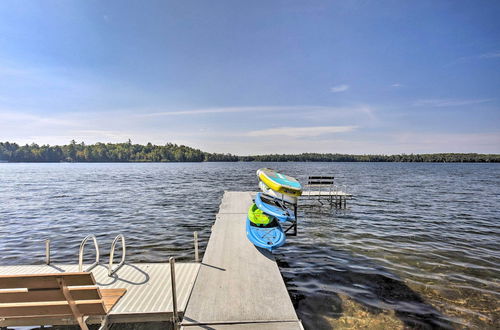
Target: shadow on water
318, 291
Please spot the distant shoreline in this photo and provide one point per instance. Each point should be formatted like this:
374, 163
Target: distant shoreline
173, 153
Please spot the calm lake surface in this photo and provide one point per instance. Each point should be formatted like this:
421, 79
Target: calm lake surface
418, 247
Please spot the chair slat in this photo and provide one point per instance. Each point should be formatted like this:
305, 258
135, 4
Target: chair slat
86, 293
45, 281
111, 296
37, 320
51, 308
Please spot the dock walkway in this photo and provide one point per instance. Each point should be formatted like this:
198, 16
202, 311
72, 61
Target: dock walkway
238, 286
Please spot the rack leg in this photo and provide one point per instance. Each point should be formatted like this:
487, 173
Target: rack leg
296, 219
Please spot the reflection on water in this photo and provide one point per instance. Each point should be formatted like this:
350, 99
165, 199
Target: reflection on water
417, 248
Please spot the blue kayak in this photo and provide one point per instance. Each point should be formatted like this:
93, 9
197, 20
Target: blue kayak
267, 237
274, 208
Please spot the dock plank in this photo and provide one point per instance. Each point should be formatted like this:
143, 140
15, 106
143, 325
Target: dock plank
249, 326
237, 282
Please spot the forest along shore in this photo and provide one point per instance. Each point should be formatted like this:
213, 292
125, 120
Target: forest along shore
170, 152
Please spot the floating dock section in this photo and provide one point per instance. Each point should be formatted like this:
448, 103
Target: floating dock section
239, 286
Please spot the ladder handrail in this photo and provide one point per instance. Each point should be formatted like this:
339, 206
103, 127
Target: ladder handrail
80, 254
111, 271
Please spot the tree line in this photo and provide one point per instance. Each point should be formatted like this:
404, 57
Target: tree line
105, 152
128, 152
328, 157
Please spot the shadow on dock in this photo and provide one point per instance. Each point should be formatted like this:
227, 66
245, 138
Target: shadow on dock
134, 270
215, 267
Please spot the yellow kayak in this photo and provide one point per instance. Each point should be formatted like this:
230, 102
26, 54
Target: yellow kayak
279, 182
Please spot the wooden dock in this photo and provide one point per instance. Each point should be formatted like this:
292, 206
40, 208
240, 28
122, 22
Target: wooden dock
238, 286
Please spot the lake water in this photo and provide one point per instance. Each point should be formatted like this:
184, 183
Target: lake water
418, 247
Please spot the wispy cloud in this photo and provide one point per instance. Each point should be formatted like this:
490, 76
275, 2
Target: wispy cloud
449, 102
339, 88
102, 135
484, 56
396, 85
445, 142
26, 119
216, 110
490, 55
238, 109
301, 131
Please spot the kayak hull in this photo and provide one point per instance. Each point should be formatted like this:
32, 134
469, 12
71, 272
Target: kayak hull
279, 213
266, 237
280, 183
268, 191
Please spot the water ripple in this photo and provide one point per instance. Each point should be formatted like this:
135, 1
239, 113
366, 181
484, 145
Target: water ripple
418, 247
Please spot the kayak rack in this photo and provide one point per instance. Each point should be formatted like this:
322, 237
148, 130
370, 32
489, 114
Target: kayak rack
293, 224
289, 206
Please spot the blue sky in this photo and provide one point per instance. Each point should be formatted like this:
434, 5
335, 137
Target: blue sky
250, 77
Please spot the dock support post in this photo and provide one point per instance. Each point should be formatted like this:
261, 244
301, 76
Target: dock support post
174, 292
196, 255
47, 251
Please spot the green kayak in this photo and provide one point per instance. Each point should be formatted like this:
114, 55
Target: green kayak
256, 216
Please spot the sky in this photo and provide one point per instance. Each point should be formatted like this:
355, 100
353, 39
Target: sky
254, 77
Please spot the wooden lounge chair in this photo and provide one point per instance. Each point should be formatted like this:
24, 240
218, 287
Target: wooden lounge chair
54, 299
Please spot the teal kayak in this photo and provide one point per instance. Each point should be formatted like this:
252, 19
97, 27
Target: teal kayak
264, 233
272, 207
